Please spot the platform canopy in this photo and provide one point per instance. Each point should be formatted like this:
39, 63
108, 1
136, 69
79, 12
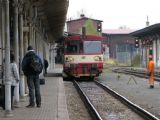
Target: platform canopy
150, 30
53, 14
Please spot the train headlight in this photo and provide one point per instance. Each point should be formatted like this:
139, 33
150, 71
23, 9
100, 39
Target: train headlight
97, 58
69, 59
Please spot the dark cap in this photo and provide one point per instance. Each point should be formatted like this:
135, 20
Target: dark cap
30, 48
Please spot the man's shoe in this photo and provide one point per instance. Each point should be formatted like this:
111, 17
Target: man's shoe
38, 106
151, 86
30, 106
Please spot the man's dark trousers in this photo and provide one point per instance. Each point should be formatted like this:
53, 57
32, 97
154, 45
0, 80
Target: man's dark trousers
34, 87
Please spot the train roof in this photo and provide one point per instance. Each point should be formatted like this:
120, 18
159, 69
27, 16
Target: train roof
87, 37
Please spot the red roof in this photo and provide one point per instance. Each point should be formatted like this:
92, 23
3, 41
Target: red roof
117, 31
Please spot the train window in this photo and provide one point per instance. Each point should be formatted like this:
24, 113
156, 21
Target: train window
92, 47
71, 47
81, 47
74, 47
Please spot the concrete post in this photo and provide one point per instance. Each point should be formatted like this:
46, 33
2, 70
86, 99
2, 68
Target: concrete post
22, 84
25, 42
33, 35
30, 34
156, 40
51, 56
54, 55
25, 50
1, 42
146, 48
158, 51
37, 43
25, 45
1, 50
141, 53
3, 33
16, 47
154, 52
40, 53
7, 60
36, 39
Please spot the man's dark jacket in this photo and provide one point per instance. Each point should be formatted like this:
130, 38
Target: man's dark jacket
26, 61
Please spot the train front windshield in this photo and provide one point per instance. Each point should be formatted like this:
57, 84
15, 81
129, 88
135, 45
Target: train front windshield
92, 47
83, 47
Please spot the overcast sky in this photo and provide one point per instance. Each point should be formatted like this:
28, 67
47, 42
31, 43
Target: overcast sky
115, 13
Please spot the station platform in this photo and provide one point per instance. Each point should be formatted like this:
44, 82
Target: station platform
53, 101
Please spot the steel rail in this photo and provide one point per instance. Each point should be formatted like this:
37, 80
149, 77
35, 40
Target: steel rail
136, 73
145, 114
93, 112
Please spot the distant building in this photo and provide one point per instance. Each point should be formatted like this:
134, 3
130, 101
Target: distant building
121, 44
149, 39
91, 25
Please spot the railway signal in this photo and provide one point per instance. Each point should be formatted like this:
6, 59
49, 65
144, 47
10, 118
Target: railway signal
99, 27
136, 43
150, 51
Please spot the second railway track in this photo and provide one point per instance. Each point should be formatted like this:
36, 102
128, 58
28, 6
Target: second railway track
138, 73
103, 106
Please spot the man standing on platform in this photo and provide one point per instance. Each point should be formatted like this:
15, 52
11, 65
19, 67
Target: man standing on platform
150, 71
32, 66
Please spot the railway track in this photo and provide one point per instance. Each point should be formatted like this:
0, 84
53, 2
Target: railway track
92, 110
101, 104
138, 73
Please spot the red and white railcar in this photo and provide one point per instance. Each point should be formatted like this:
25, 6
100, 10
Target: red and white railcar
83, 56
